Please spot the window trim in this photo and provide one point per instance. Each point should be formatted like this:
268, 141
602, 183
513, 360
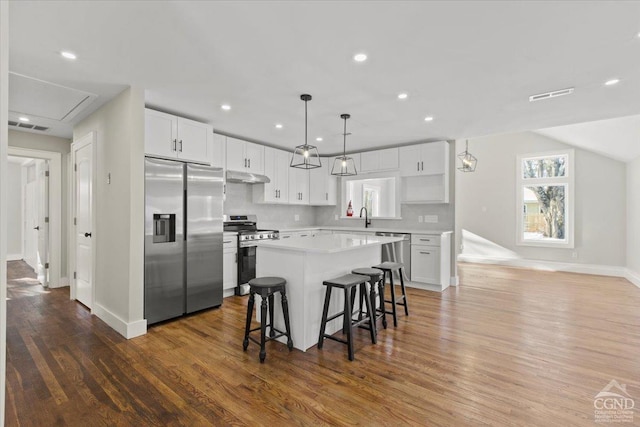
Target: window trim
568, 181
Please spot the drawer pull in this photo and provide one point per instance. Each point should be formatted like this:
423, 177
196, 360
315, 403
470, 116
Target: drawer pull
226, 241
425, 240
425, 253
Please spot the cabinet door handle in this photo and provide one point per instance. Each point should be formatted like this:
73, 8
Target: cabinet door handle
181, 146
236, 257
226, 241
425, 253
326, 196
175, 145
249, 161
418, 166
421, 165
285, 237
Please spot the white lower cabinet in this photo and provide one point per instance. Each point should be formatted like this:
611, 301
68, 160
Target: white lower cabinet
229, 264
430, 259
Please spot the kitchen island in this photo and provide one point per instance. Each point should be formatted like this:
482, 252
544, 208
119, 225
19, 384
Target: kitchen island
305, 262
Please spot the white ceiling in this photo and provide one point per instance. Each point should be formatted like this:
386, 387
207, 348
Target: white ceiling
470, 65
616, 138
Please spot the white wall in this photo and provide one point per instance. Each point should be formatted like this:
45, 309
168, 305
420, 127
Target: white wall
35, 141
4, 117
633, 219
119, 233
486, 200
14, 211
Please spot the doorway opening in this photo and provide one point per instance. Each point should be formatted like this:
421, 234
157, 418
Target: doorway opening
28, 217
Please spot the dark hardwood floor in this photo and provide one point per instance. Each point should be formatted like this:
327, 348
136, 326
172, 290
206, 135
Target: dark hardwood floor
506, 347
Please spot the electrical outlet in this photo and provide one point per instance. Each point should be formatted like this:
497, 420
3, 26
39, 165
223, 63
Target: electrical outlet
296, 217
574, 254
337, 217
431, 218
420, 218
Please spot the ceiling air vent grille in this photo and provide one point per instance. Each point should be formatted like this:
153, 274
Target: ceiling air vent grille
28, 126
549, 95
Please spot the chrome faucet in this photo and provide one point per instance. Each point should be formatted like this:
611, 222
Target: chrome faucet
367, 221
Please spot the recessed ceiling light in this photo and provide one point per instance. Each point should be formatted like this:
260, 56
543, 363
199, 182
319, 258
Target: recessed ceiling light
278, 126
319, 139
402, 96
612, 82
428, 119
23, 119
68, 55
226, 107
360, 57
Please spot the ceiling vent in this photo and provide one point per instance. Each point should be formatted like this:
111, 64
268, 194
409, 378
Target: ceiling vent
28, 126
549, 95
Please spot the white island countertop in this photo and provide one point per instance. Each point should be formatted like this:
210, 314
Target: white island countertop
329, 243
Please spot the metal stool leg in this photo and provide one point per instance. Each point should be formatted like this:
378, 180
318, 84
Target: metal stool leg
370, 313
383, 306
349, 312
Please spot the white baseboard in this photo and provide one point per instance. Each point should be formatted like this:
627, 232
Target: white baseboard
228, 293
569, 267
426, 286
64, 281
633, 277
127, 330
454, 281
14, 257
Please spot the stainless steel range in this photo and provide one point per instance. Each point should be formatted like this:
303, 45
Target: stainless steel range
248, 235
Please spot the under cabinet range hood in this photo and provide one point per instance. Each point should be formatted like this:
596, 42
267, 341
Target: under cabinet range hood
247, 177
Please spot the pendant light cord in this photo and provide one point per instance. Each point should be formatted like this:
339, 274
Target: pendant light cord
344, 139
305, 124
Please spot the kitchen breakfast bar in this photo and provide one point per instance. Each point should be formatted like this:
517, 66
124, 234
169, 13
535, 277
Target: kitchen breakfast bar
305, 263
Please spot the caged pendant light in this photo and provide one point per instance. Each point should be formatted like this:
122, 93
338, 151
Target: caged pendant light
305, 156
468, 160
343, 165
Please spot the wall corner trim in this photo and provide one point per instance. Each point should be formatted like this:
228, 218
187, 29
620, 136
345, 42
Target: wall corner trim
127, 330
633, 277
454, 281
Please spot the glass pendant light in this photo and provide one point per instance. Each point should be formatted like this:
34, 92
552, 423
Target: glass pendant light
343, 165
468, 161
305, 156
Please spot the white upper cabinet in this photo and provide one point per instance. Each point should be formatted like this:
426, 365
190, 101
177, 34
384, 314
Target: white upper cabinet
379, 160
218, 146
425, 172
276, 167
298, 185
322, 185
244, 156
424, 159
173, 137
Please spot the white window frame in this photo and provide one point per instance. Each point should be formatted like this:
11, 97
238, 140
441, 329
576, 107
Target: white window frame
568, 181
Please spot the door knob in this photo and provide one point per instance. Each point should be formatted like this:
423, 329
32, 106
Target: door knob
36, 228
87, 234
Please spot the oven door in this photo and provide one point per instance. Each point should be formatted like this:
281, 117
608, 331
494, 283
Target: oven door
246, 268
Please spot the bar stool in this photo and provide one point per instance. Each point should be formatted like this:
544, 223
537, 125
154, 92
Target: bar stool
348, 284
266, 287
389, 268
376, 277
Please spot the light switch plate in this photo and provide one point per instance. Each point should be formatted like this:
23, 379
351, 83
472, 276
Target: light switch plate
296, 217
420, 218
431, 218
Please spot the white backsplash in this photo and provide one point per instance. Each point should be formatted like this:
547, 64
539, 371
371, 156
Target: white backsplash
239, 201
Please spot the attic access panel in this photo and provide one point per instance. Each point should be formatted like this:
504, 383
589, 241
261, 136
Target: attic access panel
38, 98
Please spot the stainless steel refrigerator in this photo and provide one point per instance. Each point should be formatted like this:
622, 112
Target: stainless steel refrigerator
183, 238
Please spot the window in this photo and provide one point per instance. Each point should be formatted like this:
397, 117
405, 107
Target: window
545, 199
377, 192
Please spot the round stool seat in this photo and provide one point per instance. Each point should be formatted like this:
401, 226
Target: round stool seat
388, 265
366, 271
267, 282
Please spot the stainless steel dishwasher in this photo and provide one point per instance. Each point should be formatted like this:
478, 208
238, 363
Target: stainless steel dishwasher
398, 252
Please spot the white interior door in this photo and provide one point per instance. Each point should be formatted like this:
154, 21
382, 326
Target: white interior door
83, 155
42, 173
31, 224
